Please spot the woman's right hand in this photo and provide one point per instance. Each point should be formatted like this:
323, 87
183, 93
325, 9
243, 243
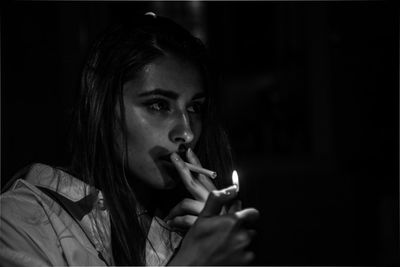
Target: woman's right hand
216, 239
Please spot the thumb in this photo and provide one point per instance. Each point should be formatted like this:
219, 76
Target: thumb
216, 199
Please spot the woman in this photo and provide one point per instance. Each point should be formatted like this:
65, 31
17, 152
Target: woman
128, 198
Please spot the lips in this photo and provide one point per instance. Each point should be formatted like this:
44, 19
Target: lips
167, 158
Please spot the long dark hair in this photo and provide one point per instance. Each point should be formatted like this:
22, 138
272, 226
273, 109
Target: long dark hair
116, 58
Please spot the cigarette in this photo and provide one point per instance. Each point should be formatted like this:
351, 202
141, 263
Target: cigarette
194, 168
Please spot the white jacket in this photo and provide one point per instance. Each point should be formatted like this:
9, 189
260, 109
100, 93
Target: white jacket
35, 230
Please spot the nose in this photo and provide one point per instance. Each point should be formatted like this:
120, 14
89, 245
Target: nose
181, 132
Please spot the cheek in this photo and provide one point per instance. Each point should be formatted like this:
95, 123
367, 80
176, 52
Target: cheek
139, 134
143, 133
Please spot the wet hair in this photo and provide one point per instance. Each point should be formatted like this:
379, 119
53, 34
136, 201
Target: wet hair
117, 57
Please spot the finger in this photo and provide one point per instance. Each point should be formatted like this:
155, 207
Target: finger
192, 158
186, 206
182, 222
236, 206
194, 187
248, 216
205, 181
217, 199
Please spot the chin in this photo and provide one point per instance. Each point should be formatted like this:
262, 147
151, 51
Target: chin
167, 178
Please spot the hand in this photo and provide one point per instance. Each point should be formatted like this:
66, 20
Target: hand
185, 213
216, 239
199, 186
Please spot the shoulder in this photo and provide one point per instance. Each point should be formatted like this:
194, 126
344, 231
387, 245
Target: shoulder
34, 226
24, 202
25, 230
26, 233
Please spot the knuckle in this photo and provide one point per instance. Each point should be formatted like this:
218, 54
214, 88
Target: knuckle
186, 220
185, 169
192, 183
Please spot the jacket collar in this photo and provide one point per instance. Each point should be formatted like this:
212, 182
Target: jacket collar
86, 204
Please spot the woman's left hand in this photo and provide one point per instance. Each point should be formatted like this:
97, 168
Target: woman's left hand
185, 213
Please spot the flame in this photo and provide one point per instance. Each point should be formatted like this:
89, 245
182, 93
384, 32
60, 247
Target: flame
235, 179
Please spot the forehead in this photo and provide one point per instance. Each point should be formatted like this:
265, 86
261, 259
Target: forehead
169, 73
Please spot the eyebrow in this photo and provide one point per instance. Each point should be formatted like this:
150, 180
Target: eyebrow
169, 94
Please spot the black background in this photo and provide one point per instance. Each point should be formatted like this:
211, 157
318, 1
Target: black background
308, 94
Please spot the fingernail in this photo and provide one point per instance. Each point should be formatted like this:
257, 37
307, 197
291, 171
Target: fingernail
189, 152
174, 156
230, 190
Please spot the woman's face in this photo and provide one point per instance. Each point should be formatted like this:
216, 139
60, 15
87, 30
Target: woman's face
163, 113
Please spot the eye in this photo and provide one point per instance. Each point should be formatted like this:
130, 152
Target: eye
196, 107
158, 105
